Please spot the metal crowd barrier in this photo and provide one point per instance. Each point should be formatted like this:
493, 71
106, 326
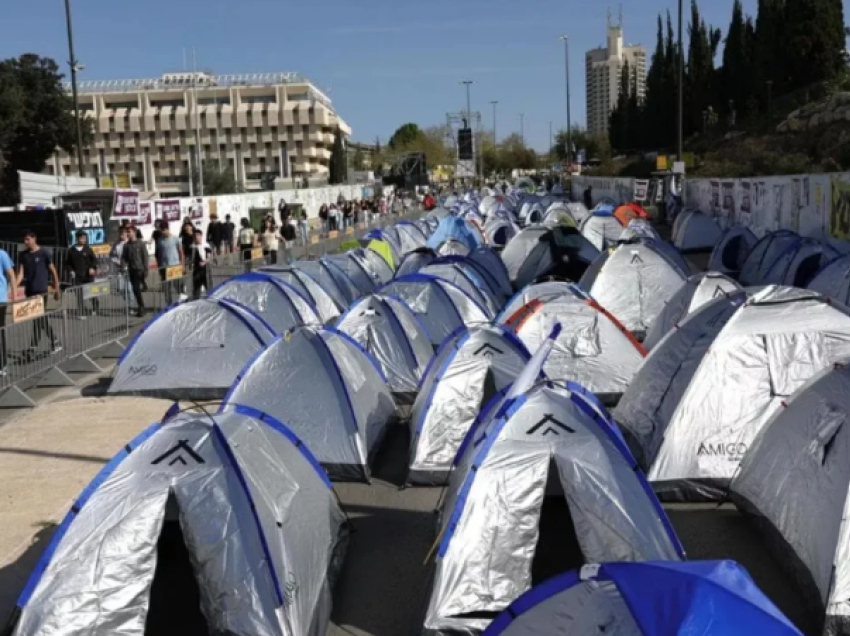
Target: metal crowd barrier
42, 340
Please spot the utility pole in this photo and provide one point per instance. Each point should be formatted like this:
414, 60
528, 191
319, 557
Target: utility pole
551, 145
199, 166
522, 128
681, 123
495, 138
74, 67
569, 147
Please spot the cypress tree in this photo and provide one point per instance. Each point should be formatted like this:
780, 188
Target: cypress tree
338, 169
736, 73
815, 41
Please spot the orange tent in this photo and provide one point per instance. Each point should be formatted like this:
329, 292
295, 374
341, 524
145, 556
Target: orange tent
628, 212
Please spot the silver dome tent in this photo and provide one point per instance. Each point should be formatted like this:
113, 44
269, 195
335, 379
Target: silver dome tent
732, 250
277, 302
236, 498
329, 390
326, 305
192, 351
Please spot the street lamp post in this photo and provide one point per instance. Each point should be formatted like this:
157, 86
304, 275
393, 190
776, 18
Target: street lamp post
469, 83
495, 138
522, 128
681, 118
72, 62
569, 147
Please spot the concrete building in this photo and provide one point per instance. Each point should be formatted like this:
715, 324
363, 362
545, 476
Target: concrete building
274, 127
604, 67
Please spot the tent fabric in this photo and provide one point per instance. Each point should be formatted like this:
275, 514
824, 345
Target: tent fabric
548, 440
693, 294
278, 303
470, 367
500, 231
710, 387
542, 292
364, 268
440, 305
330, 392
415, 261
795, 480
799, 264
332, 279
453, 228
638, 229
191, 351
633, 282
833, 280
764, 254
542, 251
629, 212
593, 349
255, 511
732, 250
379, 269
453, 248
578, 211
463, 274
384, 250
645, 599
490, 264
559, 216
393, 335
695, 231
325, 304
602, 229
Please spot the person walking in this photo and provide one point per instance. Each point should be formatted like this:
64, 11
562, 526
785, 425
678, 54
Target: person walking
215, 233
82, 263
247, 239
36, 269
7, 297
200, 259
120, 268
228, 234
187, 239
270, 241
169, 253
304, 228
134, 256
323, 217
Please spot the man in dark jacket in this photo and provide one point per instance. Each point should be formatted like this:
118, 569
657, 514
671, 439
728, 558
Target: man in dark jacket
82, 264
215, 233
135, 256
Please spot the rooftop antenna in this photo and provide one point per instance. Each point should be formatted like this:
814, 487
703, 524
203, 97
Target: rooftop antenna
610, 18
621, 15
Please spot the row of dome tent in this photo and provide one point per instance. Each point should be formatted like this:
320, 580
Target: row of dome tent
320, 387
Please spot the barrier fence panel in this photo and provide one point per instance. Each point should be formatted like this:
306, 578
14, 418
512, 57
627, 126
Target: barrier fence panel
96, 314
31, 345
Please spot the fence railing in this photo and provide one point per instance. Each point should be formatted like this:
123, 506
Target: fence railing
43, 340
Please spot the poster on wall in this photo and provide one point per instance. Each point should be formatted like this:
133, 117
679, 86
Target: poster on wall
839, 219
715, 198
746, 197
729, 197
89, 222
168, 210
196, 210
125, 204
641, 189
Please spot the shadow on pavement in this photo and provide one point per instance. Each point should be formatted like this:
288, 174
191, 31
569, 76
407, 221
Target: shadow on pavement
14, 576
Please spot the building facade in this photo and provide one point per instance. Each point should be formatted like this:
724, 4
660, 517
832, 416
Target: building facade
604, 67
270, 129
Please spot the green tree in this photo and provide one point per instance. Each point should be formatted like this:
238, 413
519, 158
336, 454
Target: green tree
515, 154
358, 160
219, 178
405, 136
770, 55
736, 86
338, 169
659, 103
700, 81
816, 41
36, 118
595, 146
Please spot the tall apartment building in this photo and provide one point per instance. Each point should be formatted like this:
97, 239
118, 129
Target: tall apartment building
604, 67
263, 126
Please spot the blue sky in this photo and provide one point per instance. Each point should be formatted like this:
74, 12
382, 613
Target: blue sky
383, 63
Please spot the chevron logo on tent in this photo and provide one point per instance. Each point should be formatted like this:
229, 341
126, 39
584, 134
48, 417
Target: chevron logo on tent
636, 258
487, 350
552, 426
177, 450
718, 292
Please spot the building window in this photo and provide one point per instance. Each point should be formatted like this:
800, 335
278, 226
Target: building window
259, 99
159, 103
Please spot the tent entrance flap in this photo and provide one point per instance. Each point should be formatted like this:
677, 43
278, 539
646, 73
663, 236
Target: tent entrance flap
175, 601
558, 549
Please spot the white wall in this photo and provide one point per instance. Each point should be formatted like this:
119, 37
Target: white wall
40, 189
620, 189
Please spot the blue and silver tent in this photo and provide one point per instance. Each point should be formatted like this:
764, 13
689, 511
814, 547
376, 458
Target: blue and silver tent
330, 391
415, 261
440, 305
732, 250
468, 370
391, 332
694, 231
833, 280
454, 228
466, 275
327, 306
709, 598
547, 451
212, 508
280, 304
602, 228
764, 254
192, 351
332, 278
799, 263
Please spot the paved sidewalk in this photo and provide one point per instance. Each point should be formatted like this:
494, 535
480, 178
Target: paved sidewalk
47, 456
